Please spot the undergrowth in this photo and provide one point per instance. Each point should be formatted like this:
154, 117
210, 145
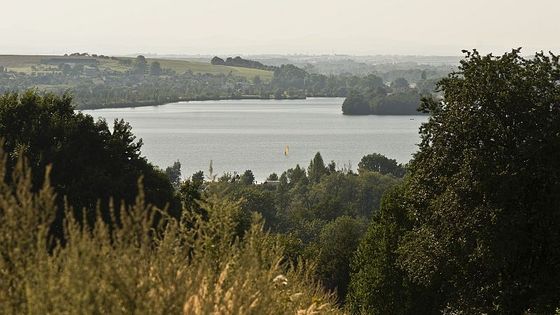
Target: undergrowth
133, 265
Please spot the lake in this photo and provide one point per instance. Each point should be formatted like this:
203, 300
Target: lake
237, 135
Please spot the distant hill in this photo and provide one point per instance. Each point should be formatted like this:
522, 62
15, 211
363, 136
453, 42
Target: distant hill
240, 62
98, 81
45, 63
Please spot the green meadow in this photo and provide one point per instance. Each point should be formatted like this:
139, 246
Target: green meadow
33, 63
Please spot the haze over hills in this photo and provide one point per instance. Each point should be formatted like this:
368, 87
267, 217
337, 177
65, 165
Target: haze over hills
32, 63
290, 58
358, 27
336, 63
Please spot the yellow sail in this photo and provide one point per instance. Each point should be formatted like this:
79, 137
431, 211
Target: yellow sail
286, 150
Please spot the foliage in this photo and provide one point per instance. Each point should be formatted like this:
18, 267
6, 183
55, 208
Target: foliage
217, 61
337, 242
190, 193
90, 162
404, 101
482, 194
140, 65
192, 266
400, 103
374, 98
155, 68
492, 141
377, 285
379, 163
320, 214
289, 76
316, 169
247, 178
240, 62
356, 104
173, 173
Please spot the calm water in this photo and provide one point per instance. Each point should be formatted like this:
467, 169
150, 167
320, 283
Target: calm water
252, 134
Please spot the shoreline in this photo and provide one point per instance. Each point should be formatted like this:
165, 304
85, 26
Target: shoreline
177, 100
244, 97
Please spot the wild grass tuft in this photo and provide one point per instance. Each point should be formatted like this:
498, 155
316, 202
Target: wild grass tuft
134, 266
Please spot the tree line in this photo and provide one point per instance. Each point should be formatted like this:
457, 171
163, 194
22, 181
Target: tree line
240, 62
398, 98
145, 82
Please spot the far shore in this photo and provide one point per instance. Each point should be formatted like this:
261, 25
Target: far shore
176, 100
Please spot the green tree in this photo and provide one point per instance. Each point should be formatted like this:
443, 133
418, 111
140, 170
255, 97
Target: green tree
356, 104
372, 82
484, 188
334, 196
297, 175
316, 169
247, 178
282, 199
378, 285
289, 76
379, 163
337, 242
331, 167
190, 193
90, 161
140, 65
198, 178
217, 61
173, 173
400, 103
155, 68
255, 199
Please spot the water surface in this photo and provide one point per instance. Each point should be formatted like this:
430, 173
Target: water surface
252, 134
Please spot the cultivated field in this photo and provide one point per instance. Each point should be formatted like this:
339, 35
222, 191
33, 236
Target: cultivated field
34, 63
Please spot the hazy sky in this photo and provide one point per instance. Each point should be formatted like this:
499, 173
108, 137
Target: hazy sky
435, 27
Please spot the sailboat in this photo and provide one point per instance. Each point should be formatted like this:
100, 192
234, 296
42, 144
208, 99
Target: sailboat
286, 150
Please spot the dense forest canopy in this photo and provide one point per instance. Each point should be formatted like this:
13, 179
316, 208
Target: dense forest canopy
308, 206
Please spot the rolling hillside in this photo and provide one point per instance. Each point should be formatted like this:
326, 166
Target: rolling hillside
39, 64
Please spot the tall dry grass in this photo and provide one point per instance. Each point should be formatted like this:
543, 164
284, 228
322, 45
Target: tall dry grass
196, 266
